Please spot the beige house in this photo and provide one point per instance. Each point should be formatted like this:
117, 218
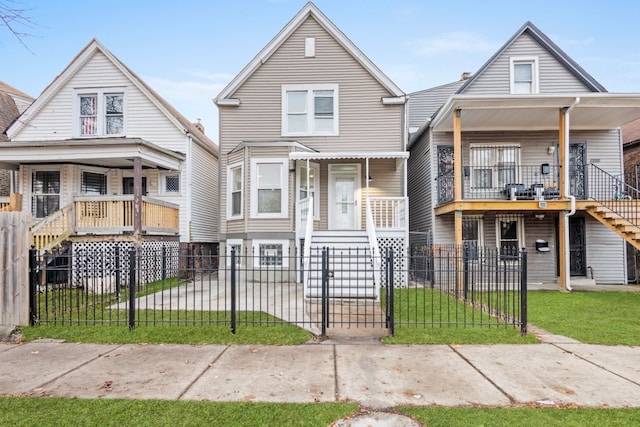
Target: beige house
312, 142
526, 153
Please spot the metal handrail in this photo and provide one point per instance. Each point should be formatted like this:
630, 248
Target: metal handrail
613, 193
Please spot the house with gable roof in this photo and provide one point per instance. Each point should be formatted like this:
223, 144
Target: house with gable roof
313, 154
101, 160
526, 153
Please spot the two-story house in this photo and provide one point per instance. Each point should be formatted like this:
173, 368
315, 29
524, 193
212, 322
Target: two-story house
313, 154
525, 153
101, 159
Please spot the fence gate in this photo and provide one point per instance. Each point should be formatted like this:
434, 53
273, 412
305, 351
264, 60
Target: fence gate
353, 294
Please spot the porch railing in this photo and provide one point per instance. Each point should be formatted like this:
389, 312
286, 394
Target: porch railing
306, 218
615, 194
373, 243
52, 230
529, 182
115, 214
11, 203
389, 213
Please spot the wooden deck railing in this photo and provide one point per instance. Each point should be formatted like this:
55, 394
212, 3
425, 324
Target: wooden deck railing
12, 203
104, 215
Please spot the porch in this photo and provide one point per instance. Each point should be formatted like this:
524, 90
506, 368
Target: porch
106, 215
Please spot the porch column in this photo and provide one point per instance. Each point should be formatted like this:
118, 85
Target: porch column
137, 198
563, 219
457, 192
457, 173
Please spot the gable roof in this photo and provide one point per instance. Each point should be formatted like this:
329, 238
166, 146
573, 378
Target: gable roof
553, 49
9, 110
79, 61
309, 10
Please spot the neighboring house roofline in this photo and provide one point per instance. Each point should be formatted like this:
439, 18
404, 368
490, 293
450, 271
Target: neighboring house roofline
548, 45
631, 132
76, 64
309, 10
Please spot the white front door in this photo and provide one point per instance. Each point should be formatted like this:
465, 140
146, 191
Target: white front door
344, 197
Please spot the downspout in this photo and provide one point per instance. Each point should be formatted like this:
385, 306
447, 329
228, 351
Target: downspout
567, 194
188, 170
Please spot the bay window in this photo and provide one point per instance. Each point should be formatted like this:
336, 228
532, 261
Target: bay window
269, 188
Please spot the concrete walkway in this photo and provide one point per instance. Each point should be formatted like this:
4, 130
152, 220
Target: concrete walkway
558, 371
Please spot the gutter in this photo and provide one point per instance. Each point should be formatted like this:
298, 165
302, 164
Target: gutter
566, 116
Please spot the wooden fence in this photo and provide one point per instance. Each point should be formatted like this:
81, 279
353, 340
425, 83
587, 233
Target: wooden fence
14, 268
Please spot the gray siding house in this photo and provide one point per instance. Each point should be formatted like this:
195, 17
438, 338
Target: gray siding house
525, 153
313, 150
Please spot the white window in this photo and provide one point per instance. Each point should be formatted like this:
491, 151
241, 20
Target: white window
310, 110
472, 236
306, 188
493, 166
234, 191
524, 75
45, 190
272, 253
269, 195
93, 183
100, 113
170, 183
510, 236
234, 245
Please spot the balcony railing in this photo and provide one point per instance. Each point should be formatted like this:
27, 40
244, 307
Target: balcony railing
524, 182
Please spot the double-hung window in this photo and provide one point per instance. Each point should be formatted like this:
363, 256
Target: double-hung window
269, 195
524, 75
234, 192
493, 166
100, 113
310, 109
45, 190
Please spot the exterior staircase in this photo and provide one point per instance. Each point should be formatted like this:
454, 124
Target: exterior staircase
623, 217
351, 273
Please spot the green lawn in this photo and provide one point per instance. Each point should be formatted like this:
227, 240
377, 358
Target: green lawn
595, 317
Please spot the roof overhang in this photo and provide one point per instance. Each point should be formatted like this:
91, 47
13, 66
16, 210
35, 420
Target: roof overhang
104, 152
348, 155
590, 111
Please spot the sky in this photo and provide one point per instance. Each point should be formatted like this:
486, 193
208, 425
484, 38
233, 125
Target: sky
188, 51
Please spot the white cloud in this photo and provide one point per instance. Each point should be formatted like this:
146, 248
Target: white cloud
454, 42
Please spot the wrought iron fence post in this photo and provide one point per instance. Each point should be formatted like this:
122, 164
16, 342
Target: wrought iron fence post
33, 284
465, 273
233, 290
132, 289
325, 291
523, 293
118, 272
391, 323
164, 263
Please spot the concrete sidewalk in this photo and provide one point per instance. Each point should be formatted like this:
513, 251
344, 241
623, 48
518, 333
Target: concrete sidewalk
558, 371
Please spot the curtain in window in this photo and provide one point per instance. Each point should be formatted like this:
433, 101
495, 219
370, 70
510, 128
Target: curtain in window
114, 119
88, 115
45, 187
94, 184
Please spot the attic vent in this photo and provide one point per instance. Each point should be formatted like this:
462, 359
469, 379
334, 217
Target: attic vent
309, 47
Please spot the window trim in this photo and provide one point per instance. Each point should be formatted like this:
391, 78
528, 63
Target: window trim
285, 251
101, 114
162, 188
230, 169
535, 79
310, 89
519, 231
284, 188
316, 199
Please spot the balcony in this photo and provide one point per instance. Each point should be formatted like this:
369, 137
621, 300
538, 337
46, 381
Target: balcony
503, 182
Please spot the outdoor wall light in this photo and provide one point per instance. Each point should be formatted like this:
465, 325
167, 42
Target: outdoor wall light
551, 149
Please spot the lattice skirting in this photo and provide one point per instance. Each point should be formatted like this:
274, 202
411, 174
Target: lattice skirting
399, 247
94, 264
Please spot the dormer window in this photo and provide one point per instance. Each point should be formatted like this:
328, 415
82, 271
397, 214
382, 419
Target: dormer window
100, 113
524, 75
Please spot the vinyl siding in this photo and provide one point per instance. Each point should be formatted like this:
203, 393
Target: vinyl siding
204, 187
553, 76
421, 182
365, 124
424, 104
605, 253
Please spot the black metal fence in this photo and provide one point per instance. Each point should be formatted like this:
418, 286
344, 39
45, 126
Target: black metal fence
433, 286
